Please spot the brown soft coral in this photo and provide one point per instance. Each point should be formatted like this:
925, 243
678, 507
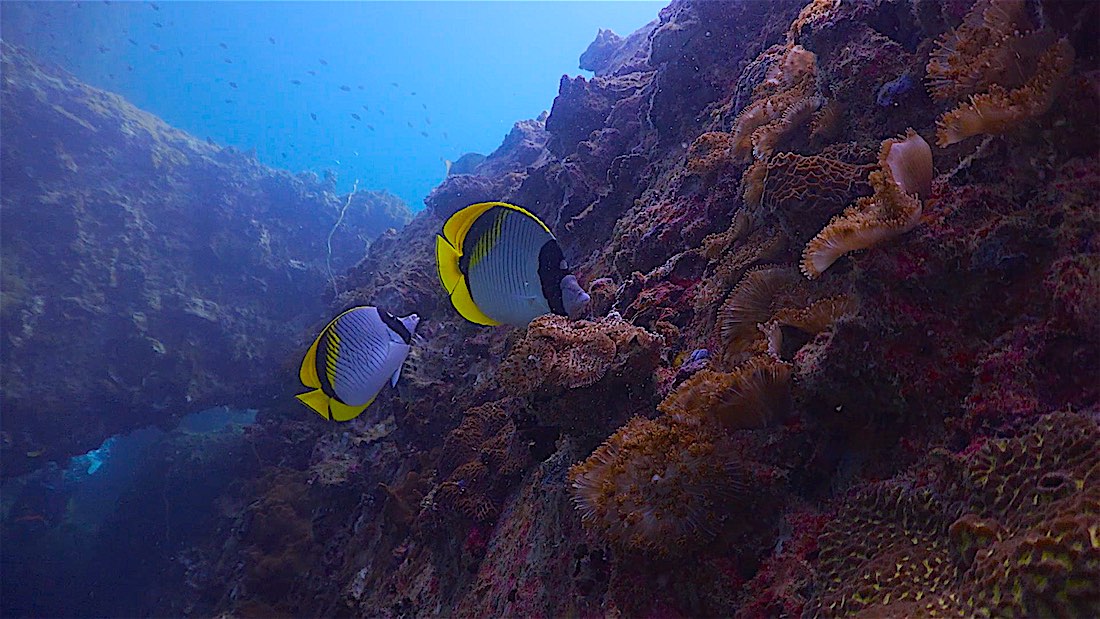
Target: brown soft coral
557, 354
754, 395
709, 154
905, 165
1000, 111
1011, 530
786, 99
570, 369
994, 52
656, 486
751, 303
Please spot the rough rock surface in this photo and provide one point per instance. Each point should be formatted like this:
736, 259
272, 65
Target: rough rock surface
147, 274
914, 377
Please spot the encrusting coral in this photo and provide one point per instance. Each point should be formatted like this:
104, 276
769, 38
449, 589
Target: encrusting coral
1009, 530
904, 174
991, 53
656, 486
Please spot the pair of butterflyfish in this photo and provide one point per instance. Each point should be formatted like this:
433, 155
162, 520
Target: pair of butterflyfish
499, 264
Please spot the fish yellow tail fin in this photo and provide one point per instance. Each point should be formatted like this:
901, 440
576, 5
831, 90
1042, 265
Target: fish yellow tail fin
318, 401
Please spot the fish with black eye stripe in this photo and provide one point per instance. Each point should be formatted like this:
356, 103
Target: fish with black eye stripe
350, 361
501, 265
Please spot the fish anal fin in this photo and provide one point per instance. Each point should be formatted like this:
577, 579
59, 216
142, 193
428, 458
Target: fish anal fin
465, 305
344, 412
316, 400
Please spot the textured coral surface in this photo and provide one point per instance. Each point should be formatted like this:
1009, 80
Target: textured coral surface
912, 432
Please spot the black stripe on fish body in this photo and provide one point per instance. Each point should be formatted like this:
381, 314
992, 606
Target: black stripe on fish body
551, 274
395, 325
321, 363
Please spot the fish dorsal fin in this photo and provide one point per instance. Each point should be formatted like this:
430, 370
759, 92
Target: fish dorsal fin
343, 412
446, 258
459, 224
316, 400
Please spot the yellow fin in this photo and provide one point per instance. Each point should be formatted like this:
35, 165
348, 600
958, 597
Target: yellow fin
465, 305
343, 412
459, 224
446, 259
317, 400
308, 373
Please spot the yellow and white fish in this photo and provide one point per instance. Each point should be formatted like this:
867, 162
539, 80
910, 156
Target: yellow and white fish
501, 265
352, 358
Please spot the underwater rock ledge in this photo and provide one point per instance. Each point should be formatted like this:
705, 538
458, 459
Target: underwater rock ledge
147, 273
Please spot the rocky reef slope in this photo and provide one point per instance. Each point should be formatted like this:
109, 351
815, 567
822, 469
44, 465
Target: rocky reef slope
841, 357
145, 273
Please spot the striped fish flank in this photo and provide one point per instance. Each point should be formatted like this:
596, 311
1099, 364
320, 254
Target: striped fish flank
351, 360
503, 268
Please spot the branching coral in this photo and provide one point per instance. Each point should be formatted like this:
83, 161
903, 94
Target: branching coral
1000, 111
1010, 530
786, 99
754, 395
656, 486
904, 165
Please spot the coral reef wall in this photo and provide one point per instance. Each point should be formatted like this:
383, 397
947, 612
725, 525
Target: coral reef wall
833, 315
146, 273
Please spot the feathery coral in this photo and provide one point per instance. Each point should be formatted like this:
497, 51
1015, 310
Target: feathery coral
1000, 111
977, 53
753, 395
655, 486
750, 303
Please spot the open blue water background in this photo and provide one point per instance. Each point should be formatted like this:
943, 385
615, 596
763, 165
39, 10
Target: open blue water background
428, 80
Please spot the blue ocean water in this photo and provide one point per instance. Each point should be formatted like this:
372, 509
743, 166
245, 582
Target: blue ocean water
379, 92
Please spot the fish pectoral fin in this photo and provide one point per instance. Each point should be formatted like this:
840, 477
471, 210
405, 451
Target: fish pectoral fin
465, 305
396, 375
344, 412
446, 259
316, 400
